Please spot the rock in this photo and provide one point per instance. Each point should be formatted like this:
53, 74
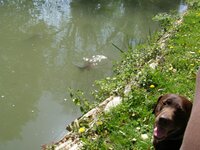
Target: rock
113, 103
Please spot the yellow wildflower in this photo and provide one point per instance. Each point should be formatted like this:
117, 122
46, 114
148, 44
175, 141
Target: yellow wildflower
171, 68
99, 123
152, 86
198, 14
81, 130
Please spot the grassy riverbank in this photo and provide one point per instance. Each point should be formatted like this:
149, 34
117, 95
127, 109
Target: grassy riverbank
166, 66
167, 63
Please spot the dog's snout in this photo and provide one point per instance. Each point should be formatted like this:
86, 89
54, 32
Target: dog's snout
163, 120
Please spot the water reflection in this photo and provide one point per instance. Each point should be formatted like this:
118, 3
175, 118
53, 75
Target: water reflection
41, 45
52, 12
107, 22
182, 7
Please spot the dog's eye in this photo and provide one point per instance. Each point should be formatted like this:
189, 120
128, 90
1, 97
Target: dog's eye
167, 102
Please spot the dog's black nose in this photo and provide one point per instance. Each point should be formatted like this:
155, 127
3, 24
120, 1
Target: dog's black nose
163, 121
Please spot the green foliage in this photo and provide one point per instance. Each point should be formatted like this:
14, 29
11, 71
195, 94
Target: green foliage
122, 127
164, 19
80, 100
194, 4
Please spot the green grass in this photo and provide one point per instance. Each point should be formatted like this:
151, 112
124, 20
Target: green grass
123, 127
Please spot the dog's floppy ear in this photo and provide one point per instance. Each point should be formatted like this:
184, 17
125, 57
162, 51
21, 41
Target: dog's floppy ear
155, 106
187, 106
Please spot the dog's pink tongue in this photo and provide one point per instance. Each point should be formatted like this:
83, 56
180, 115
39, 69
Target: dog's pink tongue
159, 132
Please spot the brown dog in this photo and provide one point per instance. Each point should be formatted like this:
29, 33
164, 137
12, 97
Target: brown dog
172, 114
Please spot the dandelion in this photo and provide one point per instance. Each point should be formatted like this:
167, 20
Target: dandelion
152, 86
99, 123
198, 14
81, 130
171, 68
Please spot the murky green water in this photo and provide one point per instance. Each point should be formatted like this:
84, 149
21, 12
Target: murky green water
42, 43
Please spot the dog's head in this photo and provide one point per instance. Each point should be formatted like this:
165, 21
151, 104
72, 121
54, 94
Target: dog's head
172, 113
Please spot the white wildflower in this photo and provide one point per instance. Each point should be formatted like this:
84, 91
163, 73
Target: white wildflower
144, 136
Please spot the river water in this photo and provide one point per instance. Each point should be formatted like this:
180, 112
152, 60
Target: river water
42, 46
